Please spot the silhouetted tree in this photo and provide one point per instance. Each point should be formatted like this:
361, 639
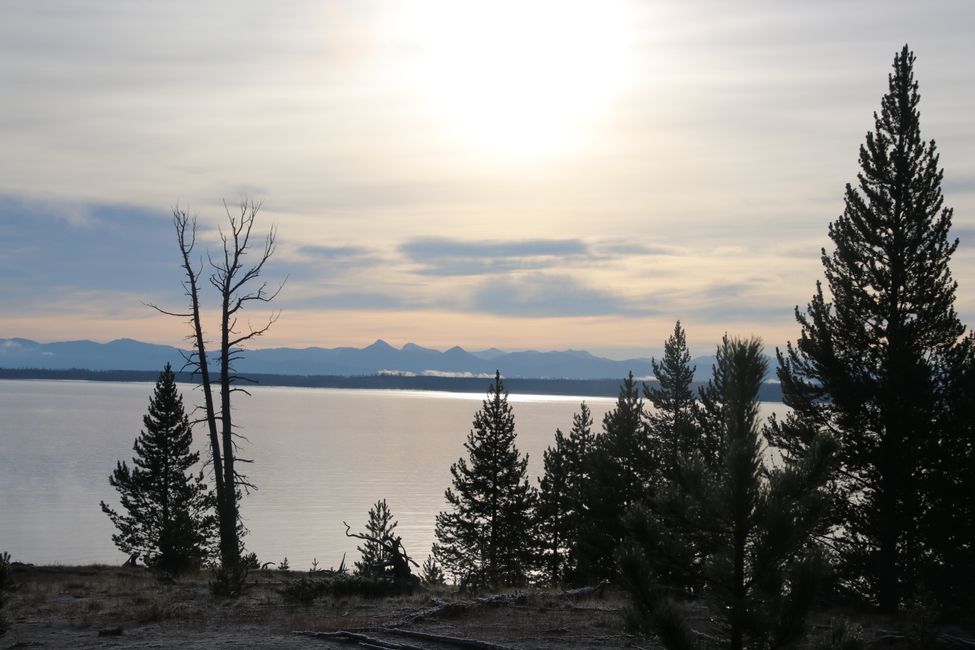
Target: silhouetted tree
876, 359
561, 498
672, 421
374, 552
674, 426
384, 557
485, 539
167, 516
623, 465
431, 573
760, 570
236, 283
950, 524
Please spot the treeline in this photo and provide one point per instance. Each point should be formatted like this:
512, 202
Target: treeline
674, 497
769, 392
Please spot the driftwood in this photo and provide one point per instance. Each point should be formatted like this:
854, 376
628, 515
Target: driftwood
459, 642
944, 639
958, 641
366, 641
585, 592
455, 607
362, 640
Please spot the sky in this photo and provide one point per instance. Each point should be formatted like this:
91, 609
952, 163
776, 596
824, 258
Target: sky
526, 175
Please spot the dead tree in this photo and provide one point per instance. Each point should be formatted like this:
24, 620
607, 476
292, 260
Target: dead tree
238, 284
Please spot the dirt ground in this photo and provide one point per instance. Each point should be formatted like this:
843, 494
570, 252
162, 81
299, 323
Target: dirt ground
110, 607
114, 607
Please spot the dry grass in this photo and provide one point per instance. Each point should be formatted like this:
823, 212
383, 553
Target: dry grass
93, 606
54, 603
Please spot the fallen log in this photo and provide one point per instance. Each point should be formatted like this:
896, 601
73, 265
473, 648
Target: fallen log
956, 641
362, 640
460, 642
585, 592
455, 607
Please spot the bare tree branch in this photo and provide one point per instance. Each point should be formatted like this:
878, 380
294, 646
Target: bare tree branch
230, 276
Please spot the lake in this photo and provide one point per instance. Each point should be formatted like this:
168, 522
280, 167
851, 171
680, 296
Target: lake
321, 457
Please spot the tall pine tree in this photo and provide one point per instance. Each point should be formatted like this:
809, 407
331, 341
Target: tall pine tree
561, 498
674, 425
167, 516
879, 352
755, 526
485, 540
623, 466
672, 421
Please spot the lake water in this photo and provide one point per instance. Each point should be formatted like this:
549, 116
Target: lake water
321, 456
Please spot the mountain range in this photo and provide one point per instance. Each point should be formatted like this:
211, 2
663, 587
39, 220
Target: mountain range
378, 358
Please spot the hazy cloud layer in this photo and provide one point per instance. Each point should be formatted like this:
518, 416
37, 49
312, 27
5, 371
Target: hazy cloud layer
549, 296
700, 188
441, 256
55, 247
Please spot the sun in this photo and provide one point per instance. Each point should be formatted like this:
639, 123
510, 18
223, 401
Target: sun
518, 78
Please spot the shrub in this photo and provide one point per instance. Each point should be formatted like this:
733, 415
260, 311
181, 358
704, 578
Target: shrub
303, 590
229, 581
431, 573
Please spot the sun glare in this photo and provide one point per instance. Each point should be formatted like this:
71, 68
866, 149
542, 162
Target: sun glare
518, 79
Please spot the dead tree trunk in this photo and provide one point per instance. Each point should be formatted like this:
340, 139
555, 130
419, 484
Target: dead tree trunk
233, 280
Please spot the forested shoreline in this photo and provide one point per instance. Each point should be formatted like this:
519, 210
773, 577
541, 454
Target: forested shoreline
769, 392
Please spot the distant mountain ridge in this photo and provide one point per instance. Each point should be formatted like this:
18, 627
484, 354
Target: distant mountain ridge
378, 358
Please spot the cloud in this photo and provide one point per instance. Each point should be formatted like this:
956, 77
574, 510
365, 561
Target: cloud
952, 186
627, 249
366, 300
309, 266
343, 253
548, 296
52, 249
746, 300
453, 257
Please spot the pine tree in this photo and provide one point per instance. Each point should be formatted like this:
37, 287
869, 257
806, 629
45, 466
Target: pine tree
484, 540
623, 465
950, 524
375, 553
168, 513
672, 420
674, 426
561, 496
876, 360
761, 570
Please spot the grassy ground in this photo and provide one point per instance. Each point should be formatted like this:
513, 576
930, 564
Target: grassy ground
113, 607
97, 606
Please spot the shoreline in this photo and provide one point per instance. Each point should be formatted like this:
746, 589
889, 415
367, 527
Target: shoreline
769, 392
